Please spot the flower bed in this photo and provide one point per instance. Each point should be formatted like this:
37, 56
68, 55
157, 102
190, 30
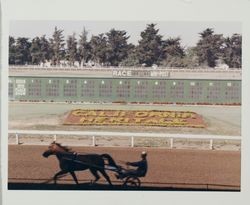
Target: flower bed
135, 118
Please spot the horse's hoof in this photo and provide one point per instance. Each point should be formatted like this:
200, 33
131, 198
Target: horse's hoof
92, 183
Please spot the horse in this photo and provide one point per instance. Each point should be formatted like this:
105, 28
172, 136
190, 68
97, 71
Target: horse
71, 161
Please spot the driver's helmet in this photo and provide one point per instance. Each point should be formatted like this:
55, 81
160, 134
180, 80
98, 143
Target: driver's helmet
144, 154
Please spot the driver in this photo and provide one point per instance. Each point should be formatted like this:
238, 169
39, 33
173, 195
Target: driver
142, 167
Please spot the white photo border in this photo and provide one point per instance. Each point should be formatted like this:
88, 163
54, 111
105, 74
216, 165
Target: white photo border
129, 10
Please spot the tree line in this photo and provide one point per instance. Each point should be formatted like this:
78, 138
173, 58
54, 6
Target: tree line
112, 49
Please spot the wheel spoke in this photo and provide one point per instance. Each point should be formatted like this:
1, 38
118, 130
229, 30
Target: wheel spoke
132, 182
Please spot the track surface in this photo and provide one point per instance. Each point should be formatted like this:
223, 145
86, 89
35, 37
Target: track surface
168, 169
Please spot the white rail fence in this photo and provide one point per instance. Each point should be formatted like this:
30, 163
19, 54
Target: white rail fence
131, 135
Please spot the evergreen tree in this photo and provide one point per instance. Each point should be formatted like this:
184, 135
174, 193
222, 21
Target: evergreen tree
209, 47
99, 49
35, 51
57, 46
117, 46
12, 50
132, 58
71, 52
84, 48
232, 51
112, 49
190, 60
46, 52
173, 53
172, 47
22, 54
150, 48
39, 50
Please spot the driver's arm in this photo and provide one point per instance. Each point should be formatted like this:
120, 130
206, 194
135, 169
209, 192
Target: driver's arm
134, 164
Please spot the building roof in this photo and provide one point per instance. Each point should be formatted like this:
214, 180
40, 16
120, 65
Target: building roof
158, 73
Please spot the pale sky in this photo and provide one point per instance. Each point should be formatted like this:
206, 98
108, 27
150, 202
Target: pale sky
187, 31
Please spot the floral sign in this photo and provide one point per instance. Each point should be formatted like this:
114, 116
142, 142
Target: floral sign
135, 118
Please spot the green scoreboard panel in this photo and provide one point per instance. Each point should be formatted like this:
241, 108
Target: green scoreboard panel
147, 90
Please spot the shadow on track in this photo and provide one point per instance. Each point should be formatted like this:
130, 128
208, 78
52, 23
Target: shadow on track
101, 187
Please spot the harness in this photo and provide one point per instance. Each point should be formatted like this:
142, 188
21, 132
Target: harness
74, 159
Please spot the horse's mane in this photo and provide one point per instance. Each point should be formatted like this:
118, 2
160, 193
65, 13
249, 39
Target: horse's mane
67, 149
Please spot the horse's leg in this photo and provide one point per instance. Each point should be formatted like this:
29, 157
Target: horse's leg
106, 176
94, 172
58, 174
74, 176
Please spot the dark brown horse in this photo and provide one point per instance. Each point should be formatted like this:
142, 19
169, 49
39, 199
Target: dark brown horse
71, 161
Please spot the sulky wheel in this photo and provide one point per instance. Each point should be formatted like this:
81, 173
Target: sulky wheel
133, 182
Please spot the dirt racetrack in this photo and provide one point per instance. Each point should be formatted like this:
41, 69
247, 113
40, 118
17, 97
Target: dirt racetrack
168, 169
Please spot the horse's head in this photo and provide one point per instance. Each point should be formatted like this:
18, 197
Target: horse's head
54, 148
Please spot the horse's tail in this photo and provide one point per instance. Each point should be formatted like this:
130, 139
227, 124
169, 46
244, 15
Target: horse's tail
110, 160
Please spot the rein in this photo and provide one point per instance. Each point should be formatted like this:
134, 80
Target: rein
75, 154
